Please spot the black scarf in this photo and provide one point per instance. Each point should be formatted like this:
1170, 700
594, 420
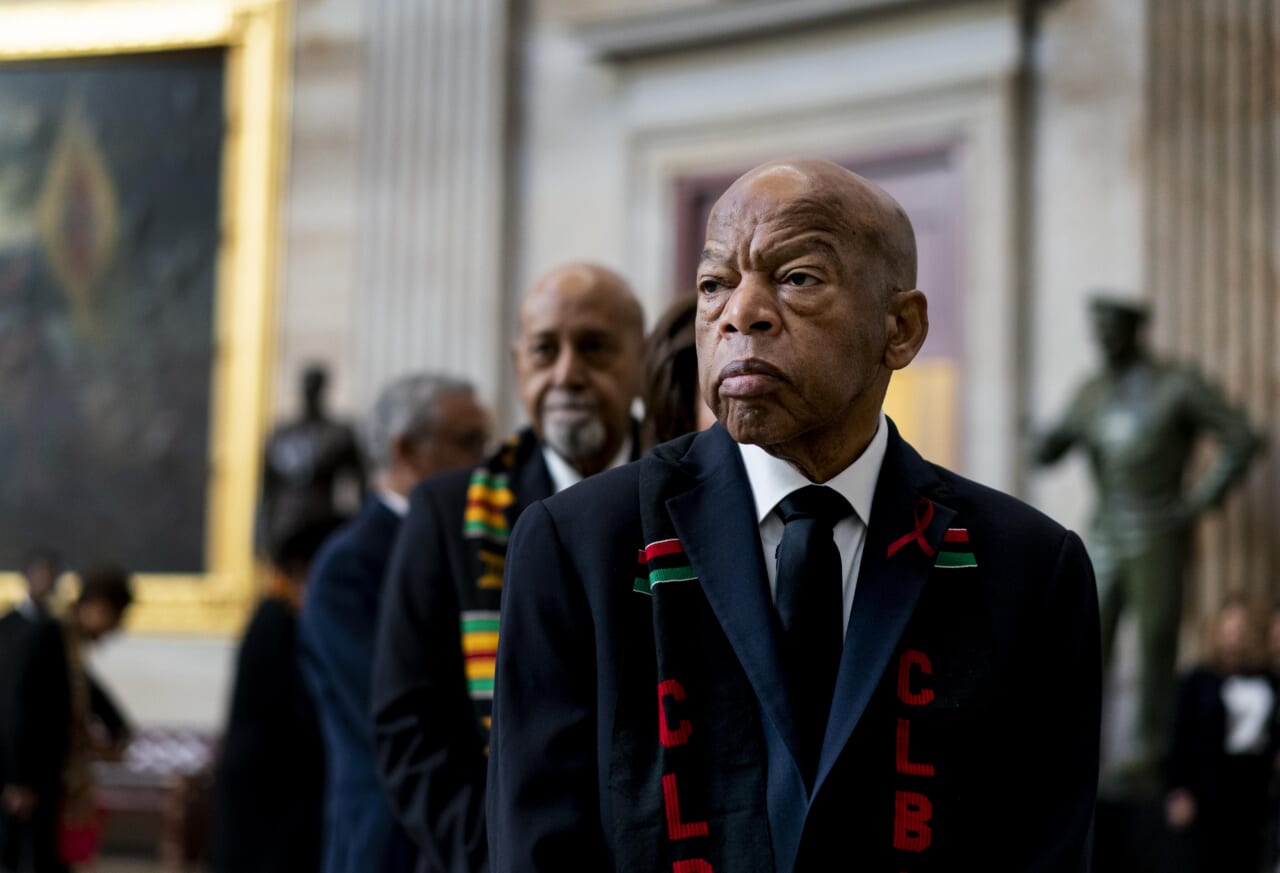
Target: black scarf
687, 776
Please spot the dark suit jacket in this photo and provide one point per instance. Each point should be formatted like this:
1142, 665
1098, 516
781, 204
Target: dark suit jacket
964, 730
35, 711
430, 742
1198, 759
269, 779
336, 630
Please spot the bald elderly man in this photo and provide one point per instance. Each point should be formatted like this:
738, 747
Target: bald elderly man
578, 369
789, 643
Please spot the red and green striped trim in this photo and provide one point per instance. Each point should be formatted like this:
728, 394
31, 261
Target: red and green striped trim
663, 561
955, 553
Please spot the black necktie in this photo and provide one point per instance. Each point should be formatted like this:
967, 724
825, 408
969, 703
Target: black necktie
810, 603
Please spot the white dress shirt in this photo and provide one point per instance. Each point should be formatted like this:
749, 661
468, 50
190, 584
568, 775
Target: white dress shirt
772, 479
562, 472
1249, 702
397, 503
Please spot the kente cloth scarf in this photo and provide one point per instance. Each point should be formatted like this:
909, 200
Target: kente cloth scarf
687, 775
489, 494
486, 528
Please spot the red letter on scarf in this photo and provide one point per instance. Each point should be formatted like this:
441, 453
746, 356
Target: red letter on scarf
678, 737
697, 865
677, 829
909, 659
911, 831
906, 766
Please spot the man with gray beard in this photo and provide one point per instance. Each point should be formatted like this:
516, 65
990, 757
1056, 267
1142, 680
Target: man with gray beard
578, 369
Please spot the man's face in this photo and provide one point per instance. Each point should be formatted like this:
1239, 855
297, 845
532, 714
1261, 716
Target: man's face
460, 438
97, 619
42, 578
792, 322
1233, 633
578, 367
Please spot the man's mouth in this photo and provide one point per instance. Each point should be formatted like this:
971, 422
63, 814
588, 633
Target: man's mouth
750, 377
569, 408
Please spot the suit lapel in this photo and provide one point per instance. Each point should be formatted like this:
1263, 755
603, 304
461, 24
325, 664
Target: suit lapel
715, 520
530, 479
889, 586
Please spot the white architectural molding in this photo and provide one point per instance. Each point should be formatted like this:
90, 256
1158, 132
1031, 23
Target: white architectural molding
672, 30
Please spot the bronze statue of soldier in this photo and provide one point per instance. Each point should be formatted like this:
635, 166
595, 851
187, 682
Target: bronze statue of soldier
1139, 420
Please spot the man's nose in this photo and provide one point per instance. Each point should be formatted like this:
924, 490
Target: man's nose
752, 308
569, 369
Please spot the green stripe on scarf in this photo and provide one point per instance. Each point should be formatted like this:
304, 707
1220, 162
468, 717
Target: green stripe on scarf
956, 559
479, 625
644, 582
672, 574
479, 528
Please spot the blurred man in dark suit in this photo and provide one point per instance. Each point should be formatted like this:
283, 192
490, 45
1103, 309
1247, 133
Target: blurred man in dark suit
50, 726
34, 712
788, 643
40, 570
578, 369
269, 778
421, 425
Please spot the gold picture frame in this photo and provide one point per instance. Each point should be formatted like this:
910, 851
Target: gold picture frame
254, 35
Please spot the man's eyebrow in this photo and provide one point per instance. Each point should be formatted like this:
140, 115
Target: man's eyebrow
792, 248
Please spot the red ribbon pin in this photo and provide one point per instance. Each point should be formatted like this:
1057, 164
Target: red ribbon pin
924, 515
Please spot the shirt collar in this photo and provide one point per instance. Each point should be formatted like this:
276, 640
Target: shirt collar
397, 503
562, 472
772, 479
30, 610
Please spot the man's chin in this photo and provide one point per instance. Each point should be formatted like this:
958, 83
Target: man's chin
575, 440
754, 426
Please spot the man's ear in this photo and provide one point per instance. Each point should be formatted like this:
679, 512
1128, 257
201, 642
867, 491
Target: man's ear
401, 449
908, 320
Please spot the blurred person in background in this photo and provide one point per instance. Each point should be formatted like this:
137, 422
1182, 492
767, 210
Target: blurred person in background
1224, 745
99, 610
269, 778
49, 735
40, 570
33, 718
420, 425
578, 370
673, 405
1271, 841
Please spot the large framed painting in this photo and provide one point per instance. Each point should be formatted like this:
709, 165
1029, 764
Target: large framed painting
140, 146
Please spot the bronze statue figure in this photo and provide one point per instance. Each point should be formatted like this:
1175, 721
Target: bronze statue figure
307, 462
1139, 420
